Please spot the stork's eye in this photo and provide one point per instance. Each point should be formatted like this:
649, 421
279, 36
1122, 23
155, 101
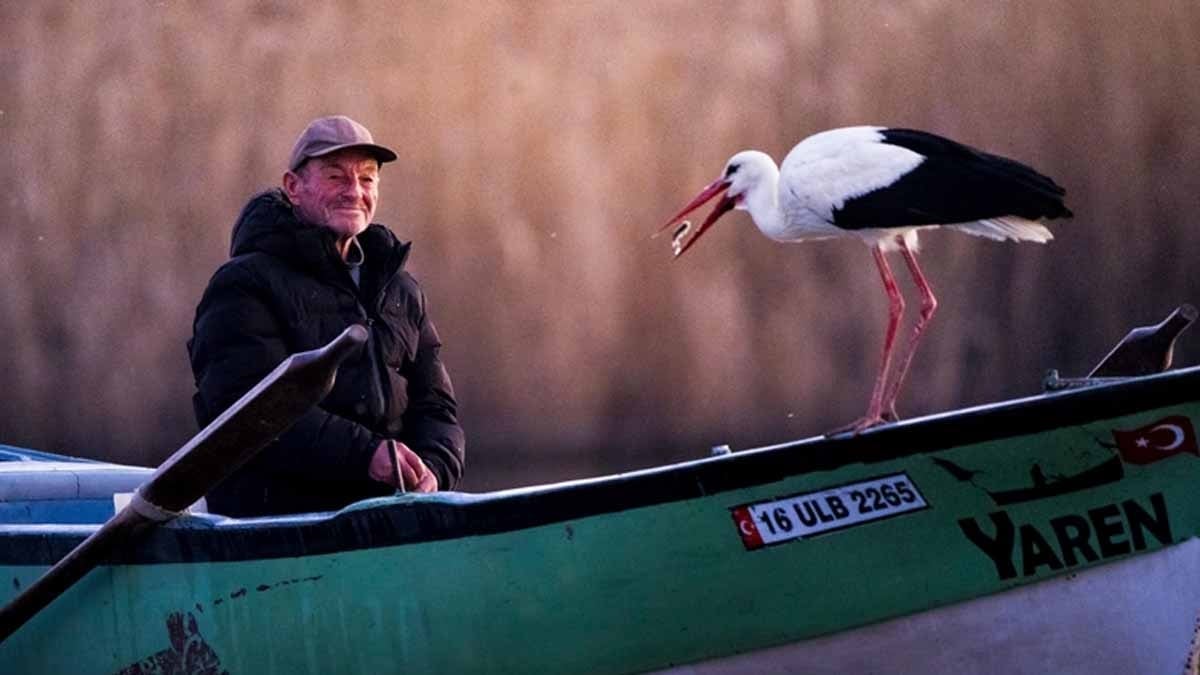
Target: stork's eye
732, 169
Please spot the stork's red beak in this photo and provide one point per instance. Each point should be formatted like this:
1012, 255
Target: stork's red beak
712, 190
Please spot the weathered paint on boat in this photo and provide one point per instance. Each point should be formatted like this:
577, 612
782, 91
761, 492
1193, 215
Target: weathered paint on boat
688, 564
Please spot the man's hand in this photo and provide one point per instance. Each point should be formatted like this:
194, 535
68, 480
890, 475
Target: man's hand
416, 476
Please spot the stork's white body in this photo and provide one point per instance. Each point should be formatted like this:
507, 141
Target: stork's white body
798, 201
881, 185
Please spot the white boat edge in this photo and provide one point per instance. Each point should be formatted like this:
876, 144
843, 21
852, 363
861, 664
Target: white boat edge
1137, 616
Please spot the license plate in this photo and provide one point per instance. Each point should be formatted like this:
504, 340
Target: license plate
806, 515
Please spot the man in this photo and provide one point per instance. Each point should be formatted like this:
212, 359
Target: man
305, 263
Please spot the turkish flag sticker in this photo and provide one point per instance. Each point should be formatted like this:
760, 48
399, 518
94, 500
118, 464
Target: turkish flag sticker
745, 525
1165, 438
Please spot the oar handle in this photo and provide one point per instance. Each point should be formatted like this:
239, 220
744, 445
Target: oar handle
256, 419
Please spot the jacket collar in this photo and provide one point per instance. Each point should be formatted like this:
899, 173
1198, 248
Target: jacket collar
268, 224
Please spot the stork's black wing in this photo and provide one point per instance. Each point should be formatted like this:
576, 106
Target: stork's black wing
955, 183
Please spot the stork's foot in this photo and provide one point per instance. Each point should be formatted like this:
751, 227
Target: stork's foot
861, 424
858, 426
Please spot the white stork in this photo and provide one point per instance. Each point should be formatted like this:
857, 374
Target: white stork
881, 185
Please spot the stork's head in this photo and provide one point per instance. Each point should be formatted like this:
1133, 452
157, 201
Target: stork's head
745, 173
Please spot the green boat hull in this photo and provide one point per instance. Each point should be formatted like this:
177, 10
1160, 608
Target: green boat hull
644, 571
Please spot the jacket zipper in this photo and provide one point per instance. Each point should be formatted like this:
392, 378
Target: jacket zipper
378, 366
376, 359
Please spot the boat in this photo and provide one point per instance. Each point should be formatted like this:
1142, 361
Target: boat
1055, 533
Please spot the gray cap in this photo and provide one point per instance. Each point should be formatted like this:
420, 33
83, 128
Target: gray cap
330, 134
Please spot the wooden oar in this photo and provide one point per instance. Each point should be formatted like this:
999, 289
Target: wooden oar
257, 418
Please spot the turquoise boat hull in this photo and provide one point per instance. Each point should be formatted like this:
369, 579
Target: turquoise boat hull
769, 553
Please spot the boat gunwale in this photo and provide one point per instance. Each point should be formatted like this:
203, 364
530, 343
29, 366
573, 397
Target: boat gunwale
412, 519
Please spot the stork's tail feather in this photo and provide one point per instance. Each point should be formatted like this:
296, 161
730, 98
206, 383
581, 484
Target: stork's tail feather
1008, 228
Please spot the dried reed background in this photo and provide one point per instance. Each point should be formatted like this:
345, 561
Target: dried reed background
542, 142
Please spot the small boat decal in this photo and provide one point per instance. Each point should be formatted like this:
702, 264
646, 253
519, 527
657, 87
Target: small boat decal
1040, 485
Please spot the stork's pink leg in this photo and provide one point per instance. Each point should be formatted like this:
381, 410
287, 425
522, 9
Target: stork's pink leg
895, 311
928, 307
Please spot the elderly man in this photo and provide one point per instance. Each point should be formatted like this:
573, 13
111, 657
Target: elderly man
305, 263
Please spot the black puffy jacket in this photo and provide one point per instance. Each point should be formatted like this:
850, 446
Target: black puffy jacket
286, 290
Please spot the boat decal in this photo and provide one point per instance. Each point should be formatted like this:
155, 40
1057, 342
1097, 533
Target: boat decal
187, 653
1156, 441
1069, 539
1153, 442
1040, 484
805, 515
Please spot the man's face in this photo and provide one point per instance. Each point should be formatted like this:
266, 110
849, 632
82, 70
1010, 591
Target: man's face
338, 191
